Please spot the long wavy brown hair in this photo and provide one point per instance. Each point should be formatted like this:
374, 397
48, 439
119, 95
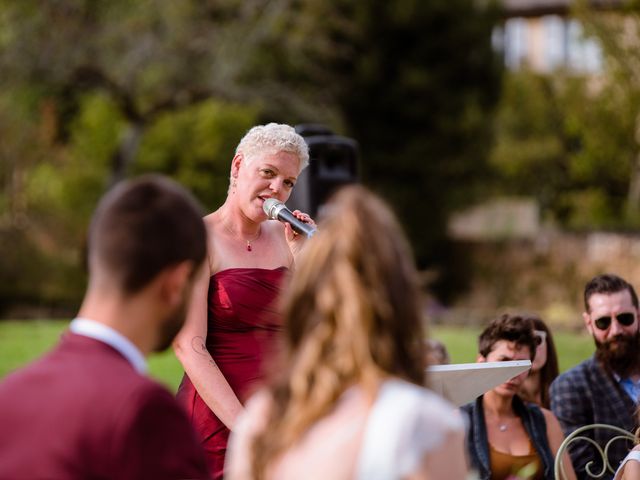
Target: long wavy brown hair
550, 370
352, 315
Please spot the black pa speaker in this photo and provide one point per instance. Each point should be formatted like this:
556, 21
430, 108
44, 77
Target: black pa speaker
333, 162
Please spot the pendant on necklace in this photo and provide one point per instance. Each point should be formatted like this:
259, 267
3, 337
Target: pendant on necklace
249, 246
502, 428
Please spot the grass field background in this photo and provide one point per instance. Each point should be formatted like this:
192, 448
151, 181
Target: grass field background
23, 341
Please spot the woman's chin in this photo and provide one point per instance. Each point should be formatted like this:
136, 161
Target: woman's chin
506, 390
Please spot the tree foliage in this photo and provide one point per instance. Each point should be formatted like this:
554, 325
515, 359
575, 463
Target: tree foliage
618, 33
415, 83
571, 140
97, 91
81, 98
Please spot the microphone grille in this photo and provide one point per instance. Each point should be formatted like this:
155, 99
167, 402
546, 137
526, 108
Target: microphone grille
269, 207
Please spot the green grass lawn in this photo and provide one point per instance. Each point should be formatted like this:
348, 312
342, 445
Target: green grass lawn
22, 341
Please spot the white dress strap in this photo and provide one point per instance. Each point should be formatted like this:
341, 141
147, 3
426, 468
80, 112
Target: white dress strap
632, 455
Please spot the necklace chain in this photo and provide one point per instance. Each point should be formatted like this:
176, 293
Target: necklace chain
249, 247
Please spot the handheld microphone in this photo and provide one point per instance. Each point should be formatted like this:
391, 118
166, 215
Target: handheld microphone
276, 210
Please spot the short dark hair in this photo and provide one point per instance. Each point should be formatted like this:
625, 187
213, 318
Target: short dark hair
143, 226
608, 283
512, 328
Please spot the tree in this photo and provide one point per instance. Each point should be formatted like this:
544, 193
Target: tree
93, 92
120, 87
569, 139
150, 57
415, 83
618, 33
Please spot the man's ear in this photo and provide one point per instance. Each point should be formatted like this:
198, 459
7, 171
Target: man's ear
175, 280
587, 322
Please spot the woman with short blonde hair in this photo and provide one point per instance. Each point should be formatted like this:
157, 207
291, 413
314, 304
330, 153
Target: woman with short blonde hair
233, 328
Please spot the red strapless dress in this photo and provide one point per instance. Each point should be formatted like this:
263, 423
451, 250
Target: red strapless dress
243, 329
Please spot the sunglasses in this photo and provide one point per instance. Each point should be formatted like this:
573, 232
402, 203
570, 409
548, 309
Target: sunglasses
541, 336
624, 319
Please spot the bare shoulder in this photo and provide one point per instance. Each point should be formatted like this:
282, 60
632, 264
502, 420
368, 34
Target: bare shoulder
211, 222
550, 417
212, 225
555, 435
631, 470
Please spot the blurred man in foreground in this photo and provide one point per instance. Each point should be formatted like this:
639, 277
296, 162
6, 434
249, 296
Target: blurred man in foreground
605, 387
86, 409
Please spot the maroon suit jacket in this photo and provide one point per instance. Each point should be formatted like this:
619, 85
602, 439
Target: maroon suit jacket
82, 411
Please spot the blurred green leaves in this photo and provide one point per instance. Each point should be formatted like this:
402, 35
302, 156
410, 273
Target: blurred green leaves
97, 91
195, 146
571, 140
93, 92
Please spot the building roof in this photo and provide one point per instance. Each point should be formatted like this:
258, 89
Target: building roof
536, 8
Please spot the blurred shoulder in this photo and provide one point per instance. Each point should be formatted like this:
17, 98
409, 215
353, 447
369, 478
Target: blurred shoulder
250, 423
142, 396
254, 417
577, 373
423, 404
414, 422
549, 417
630, 466
259, 403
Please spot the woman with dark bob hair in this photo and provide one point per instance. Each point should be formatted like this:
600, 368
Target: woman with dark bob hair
351, 402
508, 438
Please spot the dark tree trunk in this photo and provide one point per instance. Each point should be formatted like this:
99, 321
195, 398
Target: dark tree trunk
126, 152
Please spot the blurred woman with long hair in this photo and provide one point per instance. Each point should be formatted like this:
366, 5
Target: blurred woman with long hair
351, 402
544, 367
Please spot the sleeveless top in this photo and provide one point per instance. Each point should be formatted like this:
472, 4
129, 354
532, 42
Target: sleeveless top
633, 455
478, 443
504, 465
243, 332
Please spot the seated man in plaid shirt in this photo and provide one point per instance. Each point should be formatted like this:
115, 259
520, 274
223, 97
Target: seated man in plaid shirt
605, 387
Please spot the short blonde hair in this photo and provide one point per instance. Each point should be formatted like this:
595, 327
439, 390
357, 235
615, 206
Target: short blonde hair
277, 137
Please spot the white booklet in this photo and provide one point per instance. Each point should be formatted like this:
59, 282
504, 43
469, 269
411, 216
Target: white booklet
463, 382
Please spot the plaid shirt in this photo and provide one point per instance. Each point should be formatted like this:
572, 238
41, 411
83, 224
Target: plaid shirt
588, 394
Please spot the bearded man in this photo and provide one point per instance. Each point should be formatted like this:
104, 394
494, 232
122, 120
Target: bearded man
604, 388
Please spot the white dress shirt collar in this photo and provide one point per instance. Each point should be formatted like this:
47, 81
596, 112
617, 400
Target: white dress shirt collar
99, 331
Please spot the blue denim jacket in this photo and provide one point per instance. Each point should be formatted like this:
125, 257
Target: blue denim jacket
478, 443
